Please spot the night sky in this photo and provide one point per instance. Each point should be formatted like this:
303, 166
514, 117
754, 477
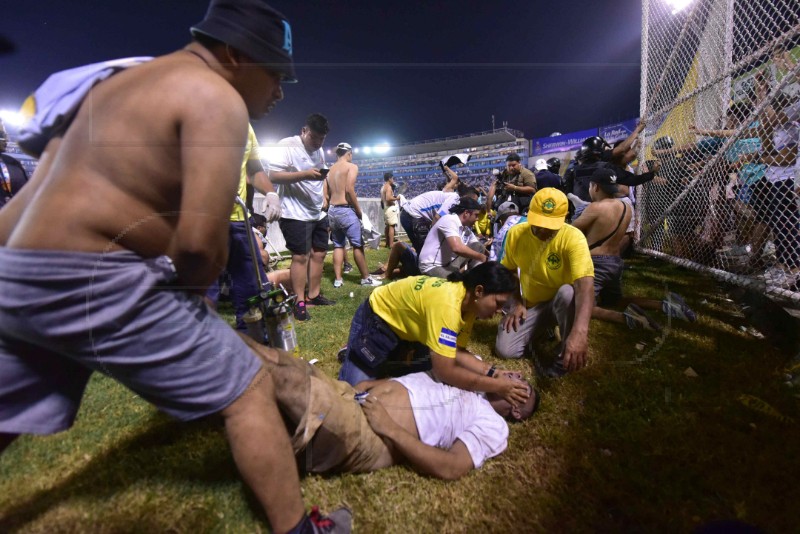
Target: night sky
382, 71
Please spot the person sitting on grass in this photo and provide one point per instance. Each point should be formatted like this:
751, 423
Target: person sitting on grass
423, 323
402, 262
604, 222
439, 430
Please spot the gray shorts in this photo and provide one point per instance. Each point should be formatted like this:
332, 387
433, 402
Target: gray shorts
607, 279
64, 315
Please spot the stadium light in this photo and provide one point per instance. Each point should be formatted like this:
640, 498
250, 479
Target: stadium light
678, 5
367, 150
355, 150
12, 118
383, 148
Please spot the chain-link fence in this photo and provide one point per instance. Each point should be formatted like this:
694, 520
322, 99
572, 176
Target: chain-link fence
721, 100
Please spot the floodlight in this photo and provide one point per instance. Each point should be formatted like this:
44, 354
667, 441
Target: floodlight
355, 150
367, 150
678, 5
12, 118
383, 148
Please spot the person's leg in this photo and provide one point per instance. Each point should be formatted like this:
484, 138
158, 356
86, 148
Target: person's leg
390, 236
361, 261
514, 344
395, 257
319, 248
244, 283
298, 271
263, 453
338, 262
280, 277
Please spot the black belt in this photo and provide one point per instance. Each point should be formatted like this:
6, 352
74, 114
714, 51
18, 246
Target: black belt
341, 206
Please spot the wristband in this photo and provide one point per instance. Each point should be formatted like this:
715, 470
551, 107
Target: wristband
491, 371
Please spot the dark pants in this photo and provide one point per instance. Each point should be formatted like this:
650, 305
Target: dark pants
407, 357
416, 228
240, 268
776, 206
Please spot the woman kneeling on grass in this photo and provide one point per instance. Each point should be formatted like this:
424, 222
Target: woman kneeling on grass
423, 323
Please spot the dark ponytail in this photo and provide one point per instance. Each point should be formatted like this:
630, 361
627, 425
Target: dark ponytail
494, 277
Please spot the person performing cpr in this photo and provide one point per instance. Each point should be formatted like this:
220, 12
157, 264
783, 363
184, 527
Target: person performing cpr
423, 323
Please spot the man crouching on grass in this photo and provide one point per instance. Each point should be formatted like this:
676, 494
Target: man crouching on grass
439, 430
143, 181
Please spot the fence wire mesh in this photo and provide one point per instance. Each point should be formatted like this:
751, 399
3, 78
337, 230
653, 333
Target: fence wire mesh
721, 101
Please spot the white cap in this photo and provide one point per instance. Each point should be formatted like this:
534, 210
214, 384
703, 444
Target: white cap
343, 146
540, 165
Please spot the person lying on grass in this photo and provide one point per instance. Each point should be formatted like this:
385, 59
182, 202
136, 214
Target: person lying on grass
438, 430
604, 222
424, 323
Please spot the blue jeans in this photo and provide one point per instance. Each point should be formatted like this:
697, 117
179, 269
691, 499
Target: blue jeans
240, 268
397, 363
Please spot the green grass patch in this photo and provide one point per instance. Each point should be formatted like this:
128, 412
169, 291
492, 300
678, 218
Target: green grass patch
632, 443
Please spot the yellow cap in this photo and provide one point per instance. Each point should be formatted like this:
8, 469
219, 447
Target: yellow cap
548, 208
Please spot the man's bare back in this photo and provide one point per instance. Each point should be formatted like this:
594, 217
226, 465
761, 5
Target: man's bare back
341, 185
387, 195
153, 183
599, 219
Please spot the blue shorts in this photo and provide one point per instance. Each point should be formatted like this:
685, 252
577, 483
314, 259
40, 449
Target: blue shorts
64, 315
344, 225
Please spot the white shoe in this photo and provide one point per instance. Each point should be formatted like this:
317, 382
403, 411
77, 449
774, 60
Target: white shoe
338, 283
369, 281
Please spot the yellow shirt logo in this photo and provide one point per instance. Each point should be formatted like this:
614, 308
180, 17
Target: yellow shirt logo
553, 261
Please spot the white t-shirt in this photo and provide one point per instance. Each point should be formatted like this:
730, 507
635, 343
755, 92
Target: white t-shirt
445, 414
426, 204
436, 251
302, 200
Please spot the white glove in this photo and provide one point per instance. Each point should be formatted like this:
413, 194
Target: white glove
272, 210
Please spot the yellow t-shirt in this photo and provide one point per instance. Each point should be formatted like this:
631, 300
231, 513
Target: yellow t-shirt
546, 266
425, 309
483, 225
250, 152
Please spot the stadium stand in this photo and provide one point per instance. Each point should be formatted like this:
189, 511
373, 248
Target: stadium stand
416, 166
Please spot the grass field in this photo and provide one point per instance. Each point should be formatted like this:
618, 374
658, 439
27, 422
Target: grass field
635, 442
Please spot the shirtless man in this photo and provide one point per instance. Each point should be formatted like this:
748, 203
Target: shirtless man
143, 180
605, 222
344, 215
391, 211
439, 430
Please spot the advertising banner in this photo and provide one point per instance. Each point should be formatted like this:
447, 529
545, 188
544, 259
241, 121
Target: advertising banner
561, 143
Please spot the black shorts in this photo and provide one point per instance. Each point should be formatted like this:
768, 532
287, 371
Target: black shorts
302, 236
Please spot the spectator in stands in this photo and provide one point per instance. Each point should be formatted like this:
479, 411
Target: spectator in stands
777, 191
556, 278
451, 246
424, 323
101, 293
391, 211
422, 211
436, 429
344, 215
507, 216
604, 223
544, 176
294, 164
11, 171
516, 182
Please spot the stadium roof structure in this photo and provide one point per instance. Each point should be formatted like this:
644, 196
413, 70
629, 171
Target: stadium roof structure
490, 137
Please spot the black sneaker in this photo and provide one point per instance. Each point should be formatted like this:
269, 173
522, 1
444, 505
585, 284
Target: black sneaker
300, 312
319, 300
347, 267
340, 521
342, 354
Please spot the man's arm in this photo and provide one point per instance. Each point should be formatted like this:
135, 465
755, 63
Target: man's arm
210, 177
577, 343
447, 370
290, 177
449, 464
587, 218
624, 146
259, 179
350, 190
326, 195
463, 250
452, 180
